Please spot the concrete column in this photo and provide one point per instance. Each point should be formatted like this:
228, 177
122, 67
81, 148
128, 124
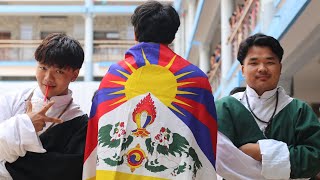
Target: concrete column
88, 43
183, 42
204, 57
177, 40
266, 14
226, 51
287, 83
190, 18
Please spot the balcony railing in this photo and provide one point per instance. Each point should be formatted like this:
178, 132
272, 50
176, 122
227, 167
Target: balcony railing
214, 76
103, 50
98, 2
242, 22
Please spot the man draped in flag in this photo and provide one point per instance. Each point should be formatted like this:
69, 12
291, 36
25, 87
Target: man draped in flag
153, 116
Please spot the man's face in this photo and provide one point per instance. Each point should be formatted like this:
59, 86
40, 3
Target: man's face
56, 78
262, 69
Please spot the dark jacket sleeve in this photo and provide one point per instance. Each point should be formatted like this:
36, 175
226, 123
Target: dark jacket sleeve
305, 152
64, 157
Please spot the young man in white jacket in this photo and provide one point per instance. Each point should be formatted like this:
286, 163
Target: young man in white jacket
48, 142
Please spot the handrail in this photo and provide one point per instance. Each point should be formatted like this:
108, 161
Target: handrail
239, 23
213, 72
15, 41
113, 1
41, 1
17, 45
131, 42
103, 50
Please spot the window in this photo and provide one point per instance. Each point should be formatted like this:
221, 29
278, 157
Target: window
53, 17
5, 51
5, 35
44, 34
106, 35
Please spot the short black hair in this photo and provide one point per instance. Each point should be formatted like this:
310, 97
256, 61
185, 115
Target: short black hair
60, 50
155, 22
261, 40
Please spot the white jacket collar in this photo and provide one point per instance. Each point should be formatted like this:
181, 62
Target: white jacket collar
266, 95
59, 100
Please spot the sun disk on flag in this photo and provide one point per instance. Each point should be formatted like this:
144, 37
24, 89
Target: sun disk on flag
156, 79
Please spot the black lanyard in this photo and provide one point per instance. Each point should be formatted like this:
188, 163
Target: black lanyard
270, 120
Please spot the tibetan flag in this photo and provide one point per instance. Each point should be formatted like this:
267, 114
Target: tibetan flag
153, 117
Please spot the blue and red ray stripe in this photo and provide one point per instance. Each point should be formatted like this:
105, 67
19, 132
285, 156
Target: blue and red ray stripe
202, 133
130, 60
136, 53
204, 99
165, 57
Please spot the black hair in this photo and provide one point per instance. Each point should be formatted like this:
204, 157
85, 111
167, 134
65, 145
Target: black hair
261, 40
155, 22
61, 51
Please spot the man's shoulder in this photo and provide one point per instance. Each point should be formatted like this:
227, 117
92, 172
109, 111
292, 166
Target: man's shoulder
19, 92
230, 103
16, 96
298, 104
227, 100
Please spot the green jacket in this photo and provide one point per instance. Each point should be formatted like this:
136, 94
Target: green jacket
296, 124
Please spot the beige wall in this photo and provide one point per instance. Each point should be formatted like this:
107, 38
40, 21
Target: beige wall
71, 25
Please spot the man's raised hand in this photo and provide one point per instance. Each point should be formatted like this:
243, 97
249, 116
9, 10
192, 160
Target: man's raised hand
39, 119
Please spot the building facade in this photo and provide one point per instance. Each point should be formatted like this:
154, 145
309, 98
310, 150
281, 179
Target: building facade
223, 24
102, 26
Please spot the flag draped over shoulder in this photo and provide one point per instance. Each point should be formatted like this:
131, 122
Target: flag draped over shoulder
153, 117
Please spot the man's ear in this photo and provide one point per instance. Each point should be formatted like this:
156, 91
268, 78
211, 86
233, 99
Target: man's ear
135, 36
75, 74
242, 70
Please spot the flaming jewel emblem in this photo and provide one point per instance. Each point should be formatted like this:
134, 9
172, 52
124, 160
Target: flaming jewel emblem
143, 115
135, 157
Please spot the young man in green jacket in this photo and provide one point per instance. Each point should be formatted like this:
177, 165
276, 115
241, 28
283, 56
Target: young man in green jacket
264, 133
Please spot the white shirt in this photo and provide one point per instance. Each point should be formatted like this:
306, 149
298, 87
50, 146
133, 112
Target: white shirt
17, 133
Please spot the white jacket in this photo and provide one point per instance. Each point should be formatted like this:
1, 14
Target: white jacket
17, 133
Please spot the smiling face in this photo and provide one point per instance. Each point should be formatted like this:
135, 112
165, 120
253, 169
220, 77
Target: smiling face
261, 68
58, 79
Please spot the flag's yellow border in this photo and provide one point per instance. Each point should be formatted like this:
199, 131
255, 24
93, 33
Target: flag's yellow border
102, 175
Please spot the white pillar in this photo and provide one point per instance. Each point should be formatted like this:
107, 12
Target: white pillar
177, 41
190, 18
287, 83
204, 58
226, 49
183, 42
88, 43
266, 14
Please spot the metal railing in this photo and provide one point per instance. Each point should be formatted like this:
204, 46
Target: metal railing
214, 76
242, 22
103, 50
